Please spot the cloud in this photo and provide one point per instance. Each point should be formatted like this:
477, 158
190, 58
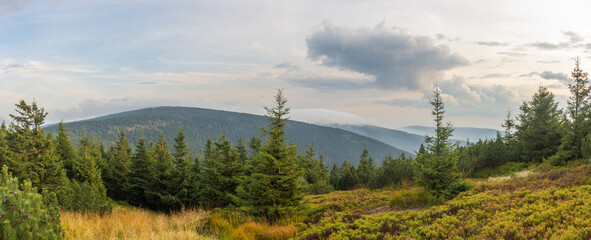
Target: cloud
548, 62
495, 75
574, 40
288, 66
573, 37
512, 54
14, 6
549, 75
493, 44
396, 59
148, 83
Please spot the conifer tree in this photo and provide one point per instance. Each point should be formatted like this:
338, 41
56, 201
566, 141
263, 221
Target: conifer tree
140, 177
221, 175
365, 168
315, 172
182, 166
437, 168
119, 166
578, 112
5, 154
273, 187
164, 179
538, 132
65, 150
34, 157
348, 178
509, 125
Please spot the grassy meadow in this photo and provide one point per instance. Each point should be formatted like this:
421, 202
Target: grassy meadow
548, 203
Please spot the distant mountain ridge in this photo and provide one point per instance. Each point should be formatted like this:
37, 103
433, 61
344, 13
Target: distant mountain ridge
459, 133
406, 141
335, 144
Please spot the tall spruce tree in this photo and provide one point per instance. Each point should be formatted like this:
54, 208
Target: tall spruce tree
33, 154
119, 166
140, 178
182, 165
273, 187
163, 185
437, 168
578, 111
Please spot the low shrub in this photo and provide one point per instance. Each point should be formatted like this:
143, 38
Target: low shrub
411, 198
24, 214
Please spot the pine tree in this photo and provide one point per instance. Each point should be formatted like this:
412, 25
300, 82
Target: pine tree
5, 153
365, 168
273, 187
349, 177
437, 168
315, 172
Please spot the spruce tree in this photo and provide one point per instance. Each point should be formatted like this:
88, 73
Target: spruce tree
578, 111
182, 166
65, 149
437, 168
164, 179
273, 187
221, 175
119, 163
140, 177
539, 128
33, 154
365, 168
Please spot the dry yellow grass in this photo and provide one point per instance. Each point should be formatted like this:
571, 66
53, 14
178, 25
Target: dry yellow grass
133, 223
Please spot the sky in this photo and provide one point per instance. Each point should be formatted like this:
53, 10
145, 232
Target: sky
342, 61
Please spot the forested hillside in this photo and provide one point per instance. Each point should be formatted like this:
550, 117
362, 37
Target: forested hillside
198, 124
406, 141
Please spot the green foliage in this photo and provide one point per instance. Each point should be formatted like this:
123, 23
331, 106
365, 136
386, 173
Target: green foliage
23, 213
163, 183
84, 197
539, 129
437, 169
578, 110
140, 178
33, 156
411, 198
586, 147
509, 168
553, 205
366, 168
221, 174
315, 173
65, 150
182, 169
273, 188
393, 171
119, 161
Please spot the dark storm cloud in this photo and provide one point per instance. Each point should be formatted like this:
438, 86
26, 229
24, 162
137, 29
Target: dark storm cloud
14, 6
396, 59
493, 44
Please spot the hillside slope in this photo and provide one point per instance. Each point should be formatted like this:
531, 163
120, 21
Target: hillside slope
406, 141
335, 144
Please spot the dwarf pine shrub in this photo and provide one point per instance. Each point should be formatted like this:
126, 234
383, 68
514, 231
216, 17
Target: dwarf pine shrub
23, 214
